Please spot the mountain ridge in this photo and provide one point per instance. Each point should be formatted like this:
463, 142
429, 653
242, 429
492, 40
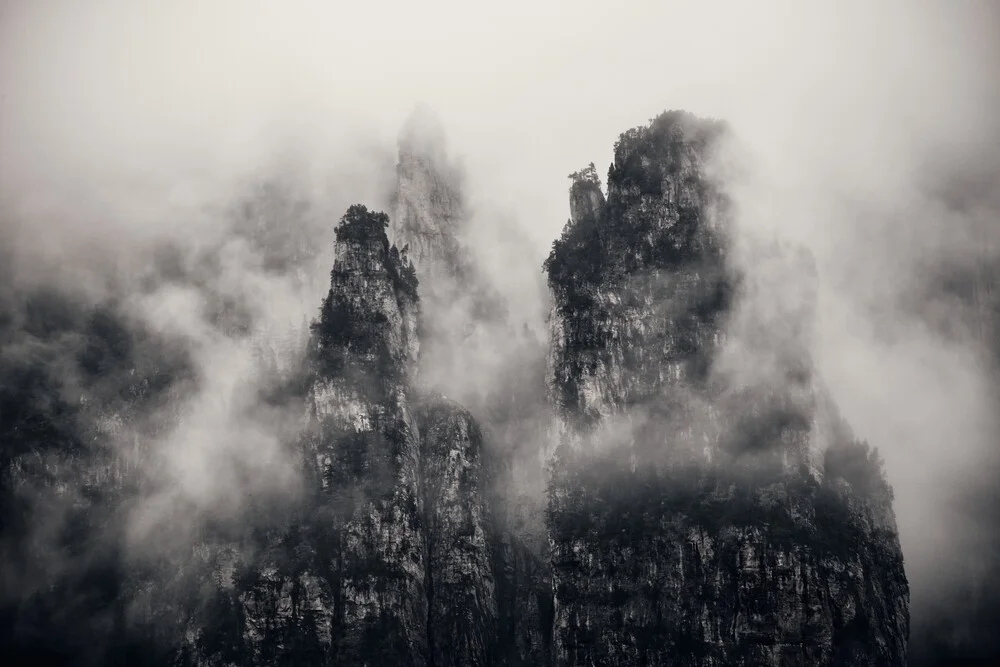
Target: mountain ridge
666, 480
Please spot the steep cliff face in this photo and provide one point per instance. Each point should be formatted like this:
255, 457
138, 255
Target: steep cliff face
462, 612
392, 551
429, 210
389, 561
472, 351
464, 327
366, 446
706, 505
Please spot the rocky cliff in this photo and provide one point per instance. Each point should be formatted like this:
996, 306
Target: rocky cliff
429, 210
365, 444
467, 333
706, 507
473, 351
703, 502
390, 560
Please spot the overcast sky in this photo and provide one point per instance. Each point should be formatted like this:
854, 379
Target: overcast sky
528, 91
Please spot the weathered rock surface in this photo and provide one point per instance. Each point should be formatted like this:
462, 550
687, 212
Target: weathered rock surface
705, 505
473, 352
462, 614
429, 210
466, 334
701, 511
393, 560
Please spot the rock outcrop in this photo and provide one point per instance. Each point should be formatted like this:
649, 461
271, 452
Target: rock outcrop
473, 352
466, 334
392, 560
459, 530
366, 446
429, 211
706, 505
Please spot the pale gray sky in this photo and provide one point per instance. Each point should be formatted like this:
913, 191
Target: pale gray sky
528, 90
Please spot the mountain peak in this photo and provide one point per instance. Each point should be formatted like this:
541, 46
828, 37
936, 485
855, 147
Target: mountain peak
371, 281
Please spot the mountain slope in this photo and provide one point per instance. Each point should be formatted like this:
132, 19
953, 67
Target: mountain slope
706, 505
703, 502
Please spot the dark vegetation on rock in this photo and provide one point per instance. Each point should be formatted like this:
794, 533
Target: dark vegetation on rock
691, 522
682, 519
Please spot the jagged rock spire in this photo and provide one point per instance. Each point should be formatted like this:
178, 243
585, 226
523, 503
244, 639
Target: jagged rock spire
428, 210
585, 197
684, 490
